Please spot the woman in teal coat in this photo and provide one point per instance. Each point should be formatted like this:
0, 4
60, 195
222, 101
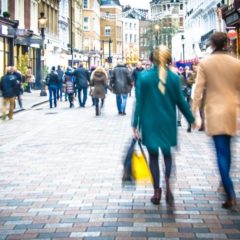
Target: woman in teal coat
158, 93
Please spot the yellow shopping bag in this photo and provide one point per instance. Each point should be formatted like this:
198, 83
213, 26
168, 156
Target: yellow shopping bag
140, 170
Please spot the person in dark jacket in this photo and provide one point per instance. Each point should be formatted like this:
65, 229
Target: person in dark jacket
139, 68
52, 82
121, 84
99, 79
68, 80
82, 80
19, 90
8, 87
60, 74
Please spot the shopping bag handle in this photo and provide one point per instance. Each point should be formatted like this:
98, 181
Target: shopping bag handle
141, 148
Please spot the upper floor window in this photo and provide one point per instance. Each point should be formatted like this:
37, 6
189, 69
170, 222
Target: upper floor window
85, 3
108, 31
181, 6
85, 23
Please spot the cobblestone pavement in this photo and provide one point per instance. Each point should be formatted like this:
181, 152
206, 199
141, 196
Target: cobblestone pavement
28, 100
60, 178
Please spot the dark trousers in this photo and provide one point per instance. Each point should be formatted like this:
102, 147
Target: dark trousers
82, 100
52, 95
70, 99
154, 165
59, 92
223, 151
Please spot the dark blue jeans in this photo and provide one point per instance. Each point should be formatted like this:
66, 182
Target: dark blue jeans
121, 102
223, 151
52, 95
59, 92
82, 100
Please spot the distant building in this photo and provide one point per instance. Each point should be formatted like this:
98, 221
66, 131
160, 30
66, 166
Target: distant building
111, 31
91, 31
134, 21
169, 16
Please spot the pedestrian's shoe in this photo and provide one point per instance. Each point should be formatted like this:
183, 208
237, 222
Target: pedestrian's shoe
155, 199
189, 128
230, 203
169, 197
97, 111
4, 117
124, 113
120, 113
179, 124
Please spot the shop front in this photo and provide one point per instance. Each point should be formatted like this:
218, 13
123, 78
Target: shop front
7, 35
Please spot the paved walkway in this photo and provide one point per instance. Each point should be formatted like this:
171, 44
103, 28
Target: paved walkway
29, 100
60, 178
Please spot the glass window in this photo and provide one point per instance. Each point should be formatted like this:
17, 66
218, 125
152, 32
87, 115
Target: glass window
85, 3
135, 38
126, 37
85, 23
107, 31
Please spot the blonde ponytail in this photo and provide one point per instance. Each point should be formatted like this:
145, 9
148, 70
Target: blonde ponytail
162, 57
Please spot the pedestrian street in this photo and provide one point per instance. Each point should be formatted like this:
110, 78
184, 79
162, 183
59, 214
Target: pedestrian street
60, 178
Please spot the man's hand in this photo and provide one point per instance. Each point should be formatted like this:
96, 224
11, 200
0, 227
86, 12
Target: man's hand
198, 121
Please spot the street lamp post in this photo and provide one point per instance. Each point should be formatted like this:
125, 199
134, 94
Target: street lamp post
157, 28
42, 21
109, 57
183, 47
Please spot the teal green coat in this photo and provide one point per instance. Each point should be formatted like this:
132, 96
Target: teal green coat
155, 113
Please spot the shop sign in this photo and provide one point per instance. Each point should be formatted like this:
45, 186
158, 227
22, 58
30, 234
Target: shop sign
232, 18
4, 30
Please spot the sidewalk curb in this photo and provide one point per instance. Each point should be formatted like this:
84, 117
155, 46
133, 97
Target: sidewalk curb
25, 109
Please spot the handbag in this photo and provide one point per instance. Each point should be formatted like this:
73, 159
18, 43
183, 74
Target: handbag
140, 169
127, 162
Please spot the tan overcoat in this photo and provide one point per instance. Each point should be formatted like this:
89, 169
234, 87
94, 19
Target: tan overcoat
218, 88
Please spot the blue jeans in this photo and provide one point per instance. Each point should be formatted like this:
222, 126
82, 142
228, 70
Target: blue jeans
121, 102
223, 151
59, 92
52, 95
82, 101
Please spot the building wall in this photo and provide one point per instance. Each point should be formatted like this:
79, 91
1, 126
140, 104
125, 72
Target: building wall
33, 25
144, 44
131, 40
201, 21
111, 17
91, 26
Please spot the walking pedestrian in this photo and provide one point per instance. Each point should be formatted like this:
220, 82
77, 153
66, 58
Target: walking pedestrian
19, 90
218, 86
121, 84
68, 80
158, 94
8, 86
52, 83
139, 68
60, 74
82, 80
29, 79
99, 80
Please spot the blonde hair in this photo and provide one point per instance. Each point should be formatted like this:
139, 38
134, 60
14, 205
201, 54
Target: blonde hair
162, 57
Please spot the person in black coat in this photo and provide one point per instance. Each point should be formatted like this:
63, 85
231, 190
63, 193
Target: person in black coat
82, 78
52, 82
8, 86
121, 84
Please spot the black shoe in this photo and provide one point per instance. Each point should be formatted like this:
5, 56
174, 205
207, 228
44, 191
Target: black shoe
124, 113
120, 113
179, 124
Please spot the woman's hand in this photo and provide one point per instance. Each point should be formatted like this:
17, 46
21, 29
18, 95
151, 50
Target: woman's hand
136, 134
